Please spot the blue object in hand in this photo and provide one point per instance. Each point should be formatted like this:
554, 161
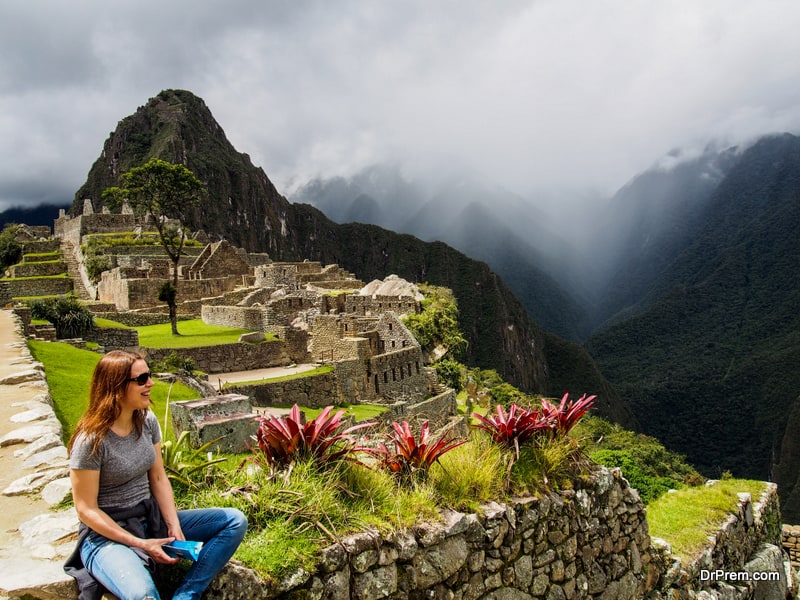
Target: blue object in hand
183, 549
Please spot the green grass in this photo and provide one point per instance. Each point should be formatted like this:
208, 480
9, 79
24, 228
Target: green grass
685, 518
193, 334
109, 324
68, 371
359, 412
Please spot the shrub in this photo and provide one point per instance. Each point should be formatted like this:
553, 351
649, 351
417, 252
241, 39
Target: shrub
174, 363
10, 248
410, 456
70, 318
282, 441
450, 373
95, 265
186, 466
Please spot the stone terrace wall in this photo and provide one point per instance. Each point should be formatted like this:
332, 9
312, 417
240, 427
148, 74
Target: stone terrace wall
437, 410
748, 541
584, 543
40, 286
241, 317
225, 358
38, 269
312, 391
113, 337
791, 543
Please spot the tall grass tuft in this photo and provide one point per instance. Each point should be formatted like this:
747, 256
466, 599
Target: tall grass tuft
470, 474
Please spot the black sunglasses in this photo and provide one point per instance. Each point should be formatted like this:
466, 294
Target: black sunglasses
141, 378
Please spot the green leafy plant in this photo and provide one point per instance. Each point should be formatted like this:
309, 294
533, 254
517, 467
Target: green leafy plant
410, 455
70, 318
184, 464
173, 363
285, 440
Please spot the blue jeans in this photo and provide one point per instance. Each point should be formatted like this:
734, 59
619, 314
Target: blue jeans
120, 570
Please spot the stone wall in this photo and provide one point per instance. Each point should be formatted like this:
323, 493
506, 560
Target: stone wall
587, 542
438, 410
225, 358
112, 338
241, 317
791, 543
39, 287
312, 391
41, 246
5, 293
749, 541
134, 318
128, 294
369, 305
398, 375
38, 269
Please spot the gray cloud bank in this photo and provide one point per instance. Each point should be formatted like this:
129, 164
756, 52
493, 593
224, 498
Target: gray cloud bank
547, 94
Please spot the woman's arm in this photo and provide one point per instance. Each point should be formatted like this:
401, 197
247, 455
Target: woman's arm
161, 488
85, 485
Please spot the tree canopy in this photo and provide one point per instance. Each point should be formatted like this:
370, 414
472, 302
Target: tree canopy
165, 192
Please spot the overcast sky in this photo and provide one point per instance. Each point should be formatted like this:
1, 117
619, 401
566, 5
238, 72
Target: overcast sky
531, 94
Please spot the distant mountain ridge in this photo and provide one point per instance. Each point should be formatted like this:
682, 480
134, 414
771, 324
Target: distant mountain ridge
485, 222
709, 352
245, 208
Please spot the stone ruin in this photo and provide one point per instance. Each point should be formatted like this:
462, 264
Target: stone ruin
319, 313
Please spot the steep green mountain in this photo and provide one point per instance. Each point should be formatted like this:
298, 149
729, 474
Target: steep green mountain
709, 355
647, 223
245, 208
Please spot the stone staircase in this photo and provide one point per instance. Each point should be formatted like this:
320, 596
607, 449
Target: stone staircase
75, 271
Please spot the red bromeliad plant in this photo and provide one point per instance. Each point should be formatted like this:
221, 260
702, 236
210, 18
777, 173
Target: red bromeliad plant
514, 427
284, 440
567, 413
411, 455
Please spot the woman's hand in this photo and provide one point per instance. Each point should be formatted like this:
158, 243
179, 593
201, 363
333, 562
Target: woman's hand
153, 547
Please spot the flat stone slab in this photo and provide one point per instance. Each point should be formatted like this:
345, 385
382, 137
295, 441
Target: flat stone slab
49, 527
22, 377
35, 413
47, 441
52, 457
31, 433
34, 482
57, 491
44, 579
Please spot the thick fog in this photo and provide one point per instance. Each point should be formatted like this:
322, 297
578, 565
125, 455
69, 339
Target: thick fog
563, 100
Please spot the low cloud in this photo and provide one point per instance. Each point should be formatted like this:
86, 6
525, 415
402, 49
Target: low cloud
535, 95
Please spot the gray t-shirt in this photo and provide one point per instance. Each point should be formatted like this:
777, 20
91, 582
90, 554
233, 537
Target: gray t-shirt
123, 463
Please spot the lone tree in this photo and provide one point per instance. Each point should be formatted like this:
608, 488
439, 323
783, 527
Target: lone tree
162, 191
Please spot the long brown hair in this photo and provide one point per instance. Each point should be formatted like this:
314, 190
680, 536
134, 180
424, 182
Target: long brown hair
109, 380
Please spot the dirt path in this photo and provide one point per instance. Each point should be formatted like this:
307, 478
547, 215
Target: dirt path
13, 509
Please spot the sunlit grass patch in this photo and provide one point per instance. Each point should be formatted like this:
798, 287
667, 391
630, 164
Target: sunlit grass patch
685, 518
194, 333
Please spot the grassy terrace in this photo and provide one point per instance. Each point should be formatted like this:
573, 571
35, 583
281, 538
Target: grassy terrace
685, 518
193, 334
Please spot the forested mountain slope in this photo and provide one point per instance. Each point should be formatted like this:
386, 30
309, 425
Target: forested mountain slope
710, 359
